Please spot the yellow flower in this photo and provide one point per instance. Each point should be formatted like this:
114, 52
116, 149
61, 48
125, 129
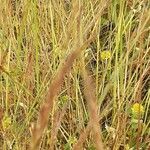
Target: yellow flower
105, 55
137, 109
6, 122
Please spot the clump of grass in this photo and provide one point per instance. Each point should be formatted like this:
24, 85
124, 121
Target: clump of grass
42, 47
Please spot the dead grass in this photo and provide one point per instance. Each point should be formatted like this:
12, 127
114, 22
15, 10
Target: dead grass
56, 92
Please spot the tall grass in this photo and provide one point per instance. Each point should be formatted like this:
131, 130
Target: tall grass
56, 89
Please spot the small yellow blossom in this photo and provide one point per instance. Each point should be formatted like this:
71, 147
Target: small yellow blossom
137, 109
6, 122
105, 55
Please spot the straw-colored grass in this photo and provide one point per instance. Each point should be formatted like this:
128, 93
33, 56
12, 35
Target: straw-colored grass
73, 73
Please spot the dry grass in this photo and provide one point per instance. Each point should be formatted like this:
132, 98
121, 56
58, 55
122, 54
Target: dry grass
56, 91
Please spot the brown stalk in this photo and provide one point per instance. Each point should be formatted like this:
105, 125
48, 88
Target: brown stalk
94, 119
82, 138
56, 125
54, 88
92, 109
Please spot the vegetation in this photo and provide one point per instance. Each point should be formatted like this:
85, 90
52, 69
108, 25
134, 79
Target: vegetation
75, 74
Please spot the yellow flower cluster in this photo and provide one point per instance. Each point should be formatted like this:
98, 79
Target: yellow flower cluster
105, 55
137, 109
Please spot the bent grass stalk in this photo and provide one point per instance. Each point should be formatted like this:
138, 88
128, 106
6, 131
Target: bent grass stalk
54, 88
89, 91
